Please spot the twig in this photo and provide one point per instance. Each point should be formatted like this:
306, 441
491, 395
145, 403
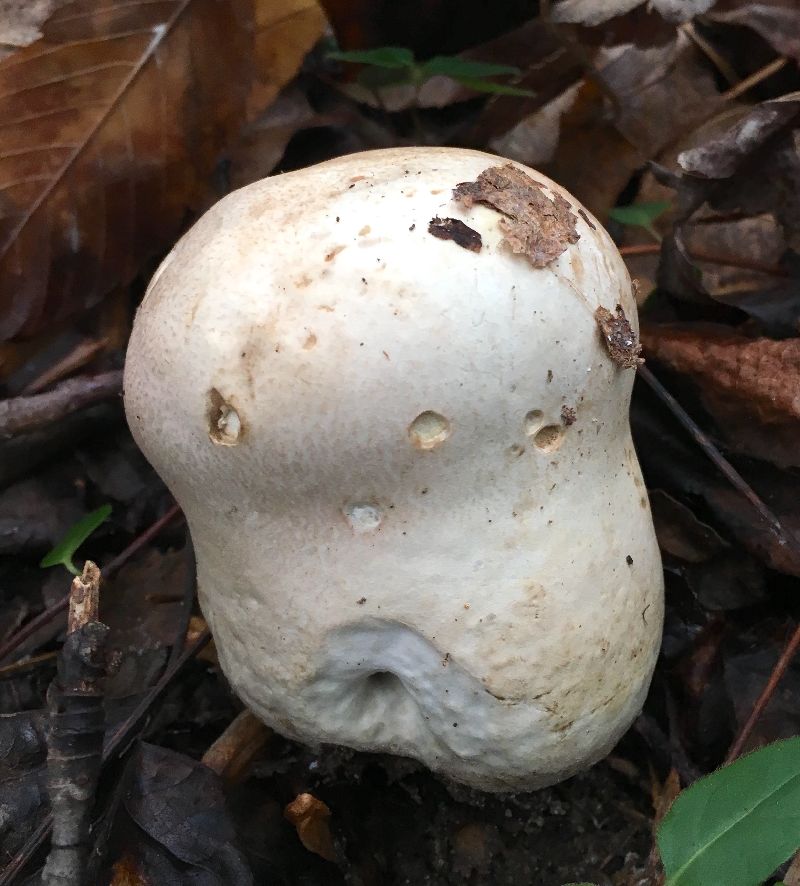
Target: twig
21, 415
720, 63
754, 79
233, 752
118, 741
30, 628
790, 650
83, 352
77, 727
712, 259
726, 468
29, 664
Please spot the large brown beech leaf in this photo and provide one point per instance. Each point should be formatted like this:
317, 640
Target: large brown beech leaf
109, 126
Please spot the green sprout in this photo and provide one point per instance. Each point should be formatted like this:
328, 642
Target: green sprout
393, 65
641, 215
64, 551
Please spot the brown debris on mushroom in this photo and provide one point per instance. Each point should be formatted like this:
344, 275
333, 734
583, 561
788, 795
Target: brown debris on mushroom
454, 229
621, 341
568, 415
535, 225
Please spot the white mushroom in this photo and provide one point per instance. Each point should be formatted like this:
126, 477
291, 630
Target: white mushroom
400, 436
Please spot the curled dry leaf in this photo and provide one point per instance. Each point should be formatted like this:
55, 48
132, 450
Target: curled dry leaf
310, 816
535, 225
21, 20
749, 385
109, 126
777, 21
595, 12
620, 339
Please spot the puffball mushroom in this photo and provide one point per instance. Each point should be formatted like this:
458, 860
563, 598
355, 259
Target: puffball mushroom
390, 393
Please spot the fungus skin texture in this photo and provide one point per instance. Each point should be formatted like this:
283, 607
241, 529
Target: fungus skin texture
457, 590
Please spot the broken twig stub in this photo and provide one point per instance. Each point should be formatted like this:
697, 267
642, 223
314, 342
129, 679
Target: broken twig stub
535, 225
454, 229
619, 337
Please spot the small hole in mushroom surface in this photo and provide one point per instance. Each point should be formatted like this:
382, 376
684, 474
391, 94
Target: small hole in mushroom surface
363, 517
428, 430
533, 421
549, 438
224, 422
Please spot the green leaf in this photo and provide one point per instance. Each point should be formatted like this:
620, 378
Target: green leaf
64, 551
455, 67
383, 57
736, 826
380, 78
496, 88
642, 214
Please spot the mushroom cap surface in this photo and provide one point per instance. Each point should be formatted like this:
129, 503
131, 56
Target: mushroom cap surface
419, 520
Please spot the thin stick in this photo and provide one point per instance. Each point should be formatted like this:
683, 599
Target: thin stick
790, 650
754, 79
712, 258
30, 628
725, 467
20, 415
719, 62
123, 734
75, 734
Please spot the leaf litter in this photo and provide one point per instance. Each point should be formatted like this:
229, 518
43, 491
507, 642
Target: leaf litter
683, 103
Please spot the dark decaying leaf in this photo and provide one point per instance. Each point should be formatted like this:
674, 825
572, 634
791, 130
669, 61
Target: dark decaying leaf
777, 21
108, 126
23, 791
746, 673
534, 225
175, 827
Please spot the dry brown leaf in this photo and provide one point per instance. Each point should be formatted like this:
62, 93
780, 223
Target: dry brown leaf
310, 816
110, 125
661, 92
535, 225
749, 385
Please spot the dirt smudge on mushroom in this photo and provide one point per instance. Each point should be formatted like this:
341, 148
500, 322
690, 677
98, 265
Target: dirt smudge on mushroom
535, 225
582, 213
455, 230
310, 342
568, 415
620, 339
331, 255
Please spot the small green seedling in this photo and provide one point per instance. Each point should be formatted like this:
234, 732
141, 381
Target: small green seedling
64, 551
641, 215
395, 65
